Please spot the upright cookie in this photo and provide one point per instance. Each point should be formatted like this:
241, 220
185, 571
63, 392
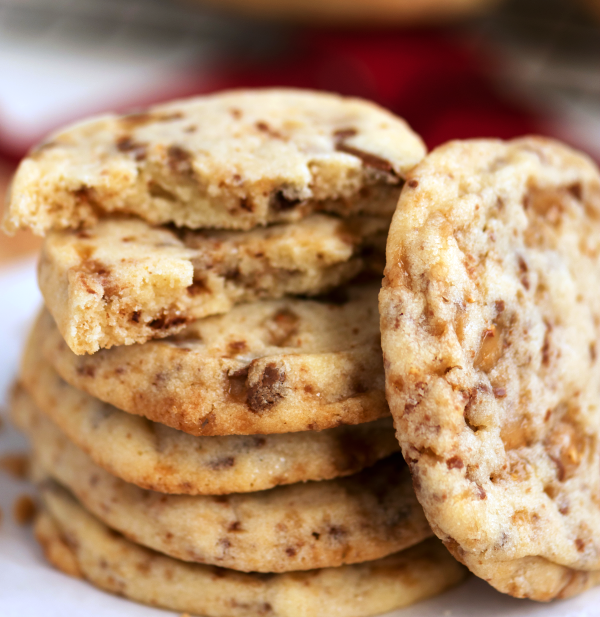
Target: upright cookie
232, 160
490, 319
298, 527
125, 282
276, 366
77, 543
160, 458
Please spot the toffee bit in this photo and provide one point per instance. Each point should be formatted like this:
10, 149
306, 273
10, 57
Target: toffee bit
24, 510
128, 145
15, 465
280, 203
342, 134
369, 160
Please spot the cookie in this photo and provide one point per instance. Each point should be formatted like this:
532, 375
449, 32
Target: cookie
163, 459
490, 318
125, 282
233, 160
268, 367
297, 527
79, 544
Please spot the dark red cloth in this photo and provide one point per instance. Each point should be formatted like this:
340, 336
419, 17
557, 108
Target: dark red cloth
431, 79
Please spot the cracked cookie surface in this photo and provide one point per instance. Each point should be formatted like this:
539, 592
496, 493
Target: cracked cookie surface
266, 367
490, 320
232, 160
79, 544
124, 281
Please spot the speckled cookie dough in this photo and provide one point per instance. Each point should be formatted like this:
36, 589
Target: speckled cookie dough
298, 527
490, 318
124, 281
80, 545
267, 367
232, 160
163, 459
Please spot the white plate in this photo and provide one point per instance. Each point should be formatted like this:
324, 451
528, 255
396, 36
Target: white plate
31, 588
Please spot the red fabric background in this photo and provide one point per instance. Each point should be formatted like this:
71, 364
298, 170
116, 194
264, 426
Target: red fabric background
429, 77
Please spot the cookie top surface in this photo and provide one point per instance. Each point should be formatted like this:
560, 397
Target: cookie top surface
75, 541
231, 160
490, 316
159, 458
125, 281
298, 527
265, 367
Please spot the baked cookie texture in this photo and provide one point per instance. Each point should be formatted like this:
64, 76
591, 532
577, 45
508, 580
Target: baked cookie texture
231, 160
299, 527
125, 281
277, 366
490, 317
80, 545
159, 458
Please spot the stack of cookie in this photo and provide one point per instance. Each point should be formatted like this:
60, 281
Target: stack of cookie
207, 377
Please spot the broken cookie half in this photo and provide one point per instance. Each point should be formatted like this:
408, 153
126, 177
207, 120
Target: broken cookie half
232, 160
125, 281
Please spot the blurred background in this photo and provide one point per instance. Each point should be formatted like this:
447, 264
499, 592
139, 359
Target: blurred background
452, 68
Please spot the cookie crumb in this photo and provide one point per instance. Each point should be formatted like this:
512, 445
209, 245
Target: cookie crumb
24, 510
15, 465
